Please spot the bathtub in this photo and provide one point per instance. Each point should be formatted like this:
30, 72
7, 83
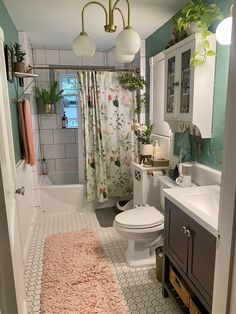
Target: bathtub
61, 192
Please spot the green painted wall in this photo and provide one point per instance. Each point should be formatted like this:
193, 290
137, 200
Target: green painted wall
211, 148
11, 36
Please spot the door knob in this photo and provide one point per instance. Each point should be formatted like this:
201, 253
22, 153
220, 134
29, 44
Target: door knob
176, 84
184, 229
20, 191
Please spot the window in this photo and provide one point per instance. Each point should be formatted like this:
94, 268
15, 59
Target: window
69, 83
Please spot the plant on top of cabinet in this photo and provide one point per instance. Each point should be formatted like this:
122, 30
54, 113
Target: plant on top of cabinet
49, 97
19, 65
196, 17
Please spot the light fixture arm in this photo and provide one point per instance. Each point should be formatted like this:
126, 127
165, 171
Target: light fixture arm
123, 19
115, 7
87, 4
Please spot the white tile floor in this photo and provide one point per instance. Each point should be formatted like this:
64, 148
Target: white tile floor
140, 289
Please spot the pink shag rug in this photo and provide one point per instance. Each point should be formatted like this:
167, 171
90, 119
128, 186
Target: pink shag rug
77, 278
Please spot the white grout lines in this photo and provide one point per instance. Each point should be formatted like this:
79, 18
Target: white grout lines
141, 291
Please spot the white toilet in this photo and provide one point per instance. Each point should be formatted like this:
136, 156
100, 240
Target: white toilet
143, 227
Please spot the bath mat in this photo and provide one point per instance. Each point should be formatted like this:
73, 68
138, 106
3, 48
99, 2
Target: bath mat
106, 216
77, 278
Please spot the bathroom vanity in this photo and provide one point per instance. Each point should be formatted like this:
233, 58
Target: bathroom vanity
191, 218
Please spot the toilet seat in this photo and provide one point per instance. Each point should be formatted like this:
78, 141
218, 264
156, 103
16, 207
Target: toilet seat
146, 217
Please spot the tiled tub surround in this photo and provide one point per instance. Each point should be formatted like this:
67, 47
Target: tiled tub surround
59, 146
141, 291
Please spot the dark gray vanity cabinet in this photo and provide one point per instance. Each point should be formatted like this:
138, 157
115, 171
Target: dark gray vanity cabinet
191, 250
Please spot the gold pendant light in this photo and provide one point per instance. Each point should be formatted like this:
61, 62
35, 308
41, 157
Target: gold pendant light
127, 43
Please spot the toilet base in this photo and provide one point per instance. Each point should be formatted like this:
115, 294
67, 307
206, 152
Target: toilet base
138, 254
151, 260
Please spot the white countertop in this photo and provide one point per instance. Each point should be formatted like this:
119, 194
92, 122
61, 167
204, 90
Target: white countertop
201, 203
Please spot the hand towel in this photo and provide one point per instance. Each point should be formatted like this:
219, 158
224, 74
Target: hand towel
156, 180
185, 147
27, 132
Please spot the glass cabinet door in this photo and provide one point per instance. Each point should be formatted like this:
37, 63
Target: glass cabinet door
170, 85
184, 107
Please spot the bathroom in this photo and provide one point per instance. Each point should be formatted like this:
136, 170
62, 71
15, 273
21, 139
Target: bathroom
55, 203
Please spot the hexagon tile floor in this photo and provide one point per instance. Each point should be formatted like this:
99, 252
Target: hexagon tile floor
141, 291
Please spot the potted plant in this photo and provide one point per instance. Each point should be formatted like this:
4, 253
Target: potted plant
144, 132
134, 82
49, 97
196, 17
19, 65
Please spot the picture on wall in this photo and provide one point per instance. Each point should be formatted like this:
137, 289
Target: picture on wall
9, 62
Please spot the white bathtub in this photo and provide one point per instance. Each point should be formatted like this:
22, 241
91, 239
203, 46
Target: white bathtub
61, 192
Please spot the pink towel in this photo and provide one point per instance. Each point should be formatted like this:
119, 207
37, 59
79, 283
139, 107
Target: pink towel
27, 132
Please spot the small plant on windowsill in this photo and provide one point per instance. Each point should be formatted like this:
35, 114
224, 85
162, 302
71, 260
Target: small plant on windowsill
49, 97
196, 17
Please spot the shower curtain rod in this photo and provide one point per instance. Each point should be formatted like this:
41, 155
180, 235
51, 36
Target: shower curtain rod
56, 67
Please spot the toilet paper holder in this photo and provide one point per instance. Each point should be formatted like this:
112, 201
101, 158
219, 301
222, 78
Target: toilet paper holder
150, 172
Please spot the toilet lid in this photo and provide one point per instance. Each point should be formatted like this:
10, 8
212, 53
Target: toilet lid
140, 217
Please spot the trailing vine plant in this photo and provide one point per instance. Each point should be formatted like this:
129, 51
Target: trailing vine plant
135, 82
203, 15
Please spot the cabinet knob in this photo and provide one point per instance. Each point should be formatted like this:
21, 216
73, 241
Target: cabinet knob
184, 229
188, 233
176, 84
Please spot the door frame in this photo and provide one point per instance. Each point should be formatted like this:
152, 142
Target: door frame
225, 267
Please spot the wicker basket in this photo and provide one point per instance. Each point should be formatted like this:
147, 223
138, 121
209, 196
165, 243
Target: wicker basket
193, 309
160, 163
180, 287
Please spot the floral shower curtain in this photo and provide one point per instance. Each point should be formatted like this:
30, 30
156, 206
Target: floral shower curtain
107, 114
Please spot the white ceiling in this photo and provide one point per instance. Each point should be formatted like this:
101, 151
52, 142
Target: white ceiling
53, 24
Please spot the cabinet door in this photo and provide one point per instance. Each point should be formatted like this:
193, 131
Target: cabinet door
157, 95
171, 84
201, 260
185, 92
176, 241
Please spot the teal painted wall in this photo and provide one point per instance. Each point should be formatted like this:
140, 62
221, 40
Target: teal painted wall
211, 148
11, 36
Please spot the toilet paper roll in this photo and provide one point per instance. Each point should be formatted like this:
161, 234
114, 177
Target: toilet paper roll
156, 180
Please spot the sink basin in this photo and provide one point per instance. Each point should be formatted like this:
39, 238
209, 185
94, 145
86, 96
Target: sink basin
200, 203
206, 202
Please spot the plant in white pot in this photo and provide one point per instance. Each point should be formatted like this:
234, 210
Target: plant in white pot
196, 17
143, 132
19, 65
50, 97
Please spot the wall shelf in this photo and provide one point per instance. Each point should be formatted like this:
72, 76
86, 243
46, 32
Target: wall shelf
20, 75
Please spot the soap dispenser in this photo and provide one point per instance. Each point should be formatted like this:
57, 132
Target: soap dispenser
156, 151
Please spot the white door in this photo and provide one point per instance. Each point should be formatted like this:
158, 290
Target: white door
7, 164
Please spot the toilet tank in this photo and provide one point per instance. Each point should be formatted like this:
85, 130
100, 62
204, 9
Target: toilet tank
144, 190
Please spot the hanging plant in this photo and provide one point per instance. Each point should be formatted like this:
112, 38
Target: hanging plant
132, 81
